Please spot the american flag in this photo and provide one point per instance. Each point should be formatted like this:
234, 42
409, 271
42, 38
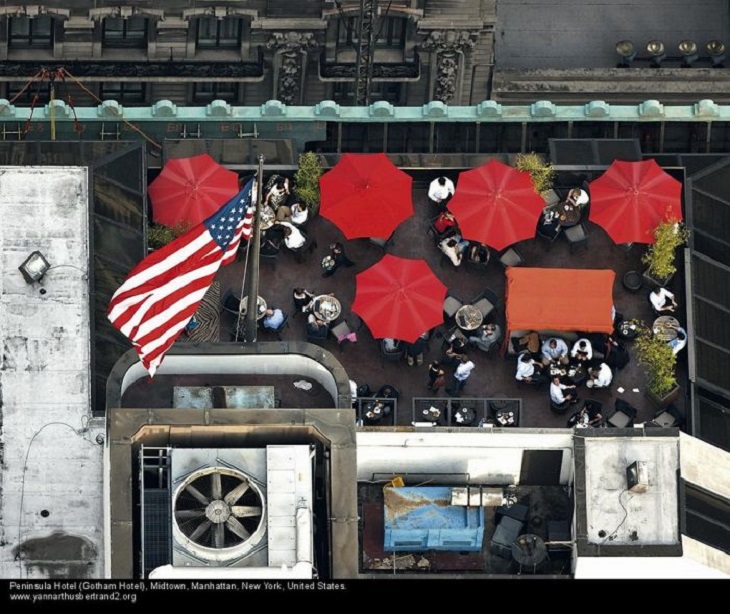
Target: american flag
161, 294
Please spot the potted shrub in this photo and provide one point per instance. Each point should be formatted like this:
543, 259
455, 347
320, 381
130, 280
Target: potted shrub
541, 172
306, 180
159, 235
660, 363
660, 256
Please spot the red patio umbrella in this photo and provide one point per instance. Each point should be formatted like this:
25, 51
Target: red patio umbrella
366, 195
496, 204
630, 199
188, 190
399, 298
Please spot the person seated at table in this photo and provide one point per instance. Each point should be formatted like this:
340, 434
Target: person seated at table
293, 211
586, 416
444, 222
558, 394
555, 350
390, 344
388, 394
454, 247
530, 342
677, 344
273, 318
478, 252
414, 351
548, 225
293, 237
277, 190
486, 337
662, 301
337, 254
454, 351
440, 190
317, 327
582, 350
600, 376
529, 370
577, 197
302, 299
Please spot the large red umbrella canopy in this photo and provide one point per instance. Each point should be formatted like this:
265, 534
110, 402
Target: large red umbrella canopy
399, 298
189, 190
630, 199
496, 204
366, 195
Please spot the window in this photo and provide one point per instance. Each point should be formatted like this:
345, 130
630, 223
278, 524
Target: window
26, 32
389, 32
210, 90
216, 33
25, 97
125, 92
125, 33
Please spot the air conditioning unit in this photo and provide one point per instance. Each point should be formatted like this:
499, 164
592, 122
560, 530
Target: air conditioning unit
637, 477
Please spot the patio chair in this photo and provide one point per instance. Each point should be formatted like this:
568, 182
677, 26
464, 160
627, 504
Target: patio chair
623, 416
343, 333
667, 417
487, 302
231, 303
577, 237
279, 329
395, 355
511, 257
384, 244
452, 304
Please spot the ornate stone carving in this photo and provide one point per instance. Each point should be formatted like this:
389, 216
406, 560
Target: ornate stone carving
447, 46
291, 47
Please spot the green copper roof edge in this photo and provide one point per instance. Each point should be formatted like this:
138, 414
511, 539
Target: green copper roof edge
485, 112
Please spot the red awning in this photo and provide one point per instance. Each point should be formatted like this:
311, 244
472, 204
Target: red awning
559, 299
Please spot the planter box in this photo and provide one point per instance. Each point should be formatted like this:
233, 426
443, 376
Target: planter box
661, 402
656, 283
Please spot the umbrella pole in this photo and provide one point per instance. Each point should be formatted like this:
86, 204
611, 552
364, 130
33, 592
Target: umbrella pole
252, 278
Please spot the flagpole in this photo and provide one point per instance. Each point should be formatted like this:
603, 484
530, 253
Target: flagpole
252, 275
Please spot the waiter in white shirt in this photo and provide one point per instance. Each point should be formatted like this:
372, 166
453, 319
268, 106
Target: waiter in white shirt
440, 191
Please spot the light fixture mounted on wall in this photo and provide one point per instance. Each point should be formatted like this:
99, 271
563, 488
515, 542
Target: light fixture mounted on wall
716, 51
655, 49
626, 52
688, 50
34, 267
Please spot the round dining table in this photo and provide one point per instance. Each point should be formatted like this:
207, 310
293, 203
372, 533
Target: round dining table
431, 414
468, 317
464, 416
267, 217
261, 307
665, 328
568, 214
326, 307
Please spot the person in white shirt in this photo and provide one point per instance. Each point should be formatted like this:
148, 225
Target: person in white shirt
293, 237
578, 197
662, 301
440, 191
582, 350
554, 350
454, 247
677, 344
461, 374
529, 370
599, 377
558, 395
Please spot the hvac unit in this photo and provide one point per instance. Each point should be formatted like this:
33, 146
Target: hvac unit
241, 507
637, 477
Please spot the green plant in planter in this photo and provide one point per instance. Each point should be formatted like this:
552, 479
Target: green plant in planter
159, 235
659, 362
306, 180
659, 257
541, 172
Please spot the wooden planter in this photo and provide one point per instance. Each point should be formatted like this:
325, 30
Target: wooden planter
661, 402
656, 283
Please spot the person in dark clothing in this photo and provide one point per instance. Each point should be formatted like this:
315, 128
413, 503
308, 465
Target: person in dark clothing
337, 254
436, 376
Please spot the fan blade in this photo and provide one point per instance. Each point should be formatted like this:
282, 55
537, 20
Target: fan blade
236, 493
237, 528
215, 486
199, 530
189, 514
245, 511
219, 535
197, 494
